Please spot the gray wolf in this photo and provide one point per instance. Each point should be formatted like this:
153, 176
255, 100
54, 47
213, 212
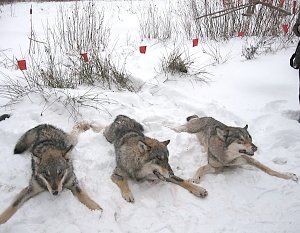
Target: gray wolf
140, 158
51, 165
225, 146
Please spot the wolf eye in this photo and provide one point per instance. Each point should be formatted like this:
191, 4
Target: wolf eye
60, 172
46, 174
240, 141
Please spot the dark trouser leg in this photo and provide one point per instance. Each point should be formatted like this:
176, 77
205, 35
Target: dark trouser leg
299, 86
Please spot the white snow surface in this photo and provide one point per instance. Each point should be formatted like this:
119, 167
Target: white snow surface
262, 93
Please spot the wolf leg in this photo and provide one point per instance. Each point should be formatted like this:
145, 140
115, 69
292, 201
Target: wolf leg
84, 198
180, 129
194, 189
122, 183
81, 127
269, 171
202, 171
22, 197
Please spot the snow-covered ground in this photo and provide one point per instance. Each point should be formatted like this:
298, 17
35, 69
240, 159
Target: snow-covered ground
262, 93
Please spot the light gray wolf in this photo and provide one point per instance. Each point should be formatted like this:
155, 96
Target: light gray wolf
51, 165
225, 146
140, 158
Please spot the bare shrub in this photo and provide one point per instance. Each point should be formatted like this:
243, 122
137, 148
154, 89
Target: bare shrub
213, 50
265, 21
156, 23
197, 18
179, 63
69, 100
57, 62
174, 63
256, 46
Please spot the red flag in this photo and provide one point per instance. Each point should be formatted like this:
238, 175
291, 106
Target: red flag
84, 57
22, 64
241, 33
195, 42
285, 28
143, 49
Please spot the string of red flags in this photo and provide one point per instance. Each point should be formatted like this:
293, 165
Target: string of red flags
143, 48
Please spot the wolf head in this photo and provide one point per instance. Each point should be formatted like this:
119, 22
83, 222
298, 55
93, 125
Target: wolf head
158, 158
237, 140
52, 168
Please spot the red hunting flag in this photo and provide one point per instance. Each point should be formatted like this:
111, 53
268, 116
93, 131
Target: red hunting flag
143, 49
85, 57
285, 28
195, 42
241, 34
22, 64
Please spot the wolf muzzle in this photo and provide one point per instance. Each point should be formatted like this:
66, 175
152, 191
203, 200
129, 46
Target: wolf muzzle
250, 153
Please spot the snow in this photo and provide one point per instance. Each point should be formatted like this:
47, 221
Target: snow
262, 93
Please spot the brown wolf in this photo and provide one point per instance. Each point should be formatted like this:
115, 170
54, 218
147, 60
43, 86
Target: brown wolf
141, 158
225, 146
51, 165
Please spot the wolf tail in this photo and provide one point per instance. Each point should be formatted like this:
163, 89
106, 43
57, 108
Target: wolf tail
191, 117
25, 141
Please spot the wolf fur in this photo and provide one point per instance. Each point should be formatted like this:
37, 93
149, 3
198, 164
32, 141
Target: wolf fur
225, 146
139, 157
51, 165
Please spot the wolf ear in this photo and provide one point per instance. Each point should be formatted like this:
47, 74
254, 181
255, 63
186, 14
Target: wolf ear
222, 134
143, 147
246, 127
166, 142
65, 153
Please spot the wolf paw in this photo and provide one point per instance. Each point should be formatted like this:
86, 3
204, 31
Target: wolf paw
293, 176
199, 192
128, 197
195, 180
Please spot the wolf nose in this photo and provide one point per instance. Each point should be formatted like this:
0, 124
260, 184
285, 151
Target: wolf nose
254, 148
55, 193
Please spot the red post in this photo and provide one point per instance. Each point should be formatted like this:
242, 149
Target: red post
143, 49
195, 42
22, 64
